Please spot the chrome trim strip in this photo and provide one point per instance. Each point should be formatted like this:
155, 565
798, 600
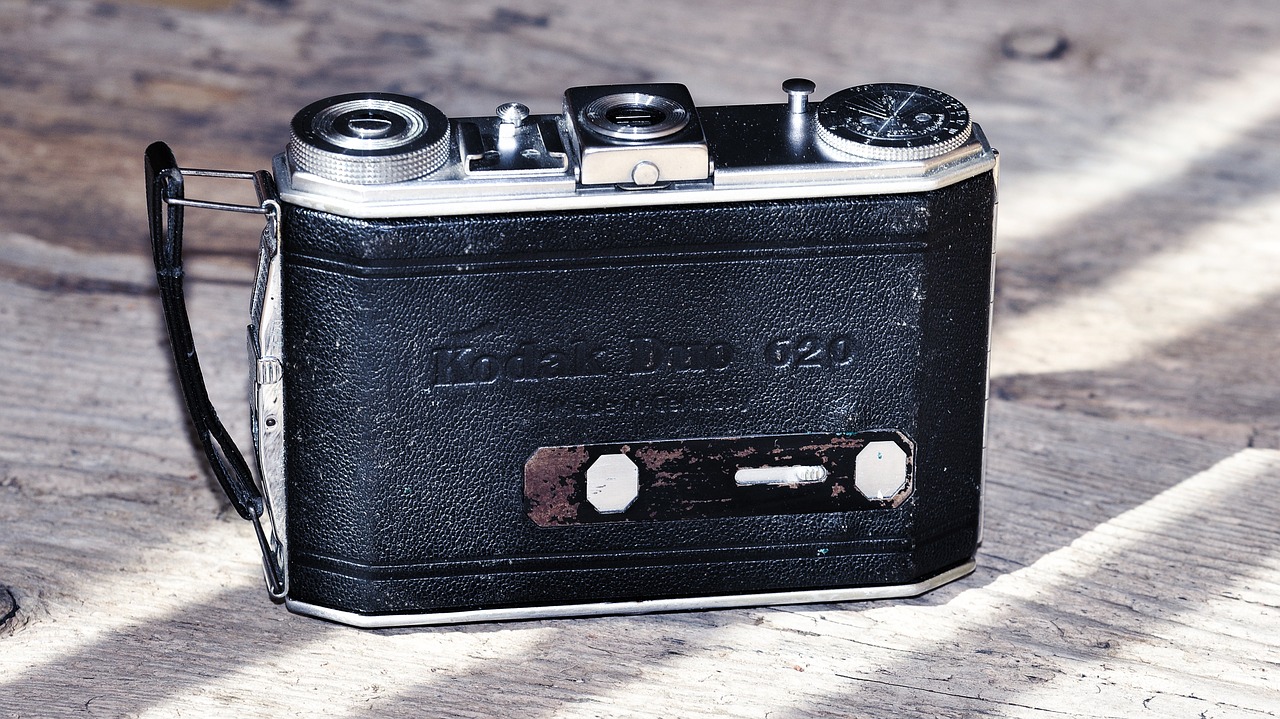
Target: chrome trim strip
816, 596
267, 316
986, 392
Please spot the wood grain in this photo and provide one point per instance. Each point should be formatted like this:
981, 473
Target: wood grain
1132, 557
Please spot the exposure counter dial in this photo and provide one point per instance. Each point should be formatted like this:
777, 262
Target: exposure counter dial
891, 121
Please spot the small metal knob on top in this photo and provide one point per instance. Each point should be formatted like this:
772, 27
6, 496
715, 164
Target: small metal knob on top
798, 90
512, 115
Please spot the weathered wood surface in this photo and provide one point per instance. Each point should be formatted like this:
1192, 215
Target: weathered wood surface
1132, 561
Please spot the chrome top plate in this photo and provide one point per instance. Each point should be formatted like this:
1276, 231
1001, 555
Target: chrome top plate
758, 152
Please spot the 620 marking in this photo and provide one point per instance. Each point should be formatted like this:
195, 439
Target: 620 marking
825, 351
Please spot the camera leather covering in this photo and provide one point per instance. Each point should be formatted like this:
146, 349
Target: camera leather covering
427, 360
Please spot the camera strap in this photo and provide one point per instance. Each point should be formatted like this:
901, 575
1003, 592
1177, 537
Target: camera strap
165, 204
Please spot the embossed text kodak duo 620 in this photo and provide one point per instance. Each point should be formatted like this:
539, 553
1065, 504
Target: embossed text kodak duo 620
636, 356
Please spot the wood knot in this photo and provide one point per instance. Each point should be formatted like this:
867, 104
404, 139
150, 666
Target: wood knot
8, 606
1036, 44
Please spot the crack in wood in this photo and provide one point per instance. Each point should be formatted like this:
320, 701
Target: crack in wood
65, 284
972, 697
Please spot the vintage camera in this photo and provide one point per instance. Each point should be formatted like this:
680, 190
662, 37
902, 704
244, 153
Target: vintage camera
636, 356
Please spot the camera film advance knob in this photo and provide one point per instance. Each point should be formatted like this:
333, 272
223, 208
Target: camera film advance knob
891, 121
369, 138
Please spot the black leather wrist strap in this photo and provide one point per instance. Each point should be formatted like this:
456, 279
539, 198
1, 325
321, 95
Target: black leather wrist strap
165, 204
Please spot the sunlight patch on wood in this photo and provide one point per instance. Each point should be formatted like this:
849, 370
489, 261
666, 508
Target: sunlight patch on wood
1228, 267
1147, 151
829, 656
1174, 510
179, 576
357, 670
1196, 635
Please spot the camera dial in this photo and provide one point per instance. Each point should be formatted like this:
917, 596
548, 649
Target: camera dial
891, 121
369, 138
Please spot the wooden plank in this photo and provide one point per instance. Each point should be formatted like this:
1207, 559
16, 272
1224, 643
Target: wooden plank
1126, 96
1117, 560
1131, 562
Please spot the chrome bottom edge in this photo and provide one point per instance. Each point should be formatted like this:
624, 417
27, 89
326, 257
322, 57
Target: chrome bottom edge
558, 611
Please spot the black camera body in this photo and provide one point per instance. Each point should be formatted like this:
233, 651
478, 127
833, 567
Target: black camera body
639, 356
